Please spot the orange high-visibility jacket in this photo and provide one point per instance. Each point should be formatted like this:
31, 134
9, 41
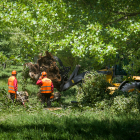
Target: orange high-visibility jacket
46, 86
11, 84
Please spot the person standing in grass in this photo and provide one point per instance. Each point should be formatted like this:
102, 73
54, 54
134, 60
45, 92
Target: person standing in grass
46, 88
13, 85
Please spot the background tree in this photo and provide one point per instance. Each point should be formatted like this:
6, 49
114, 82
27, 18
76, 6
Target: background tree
89, 31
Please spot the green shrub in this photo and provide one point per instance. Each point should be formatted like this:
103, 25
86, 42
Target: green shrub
7, 72
126, 103
93, 89
5, 102
93, 92
104, 104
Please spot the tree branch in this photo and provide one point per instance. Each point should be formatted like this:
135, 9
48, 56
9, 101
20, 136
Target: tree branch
124, 17
127, 14
120, 19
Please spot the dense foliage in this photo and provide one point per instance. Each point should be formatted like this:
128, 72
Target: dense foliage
126, 102
93, 89
92, 31
94, 92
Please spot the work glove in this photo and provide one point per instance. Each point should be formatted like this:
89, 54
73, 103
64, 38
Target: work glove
17, 92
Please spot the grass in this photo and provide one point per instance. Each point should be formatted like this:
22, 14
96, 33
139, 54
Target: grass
68, 124
68, 96
36, 123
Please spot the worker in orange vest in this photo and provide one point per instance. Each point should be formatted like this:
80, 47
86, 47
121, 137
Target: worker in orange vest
46, 88
13, 85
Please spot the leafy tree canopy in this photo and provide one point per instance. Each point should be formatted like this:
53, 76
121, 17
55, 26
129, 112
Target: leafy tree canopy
90, 30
